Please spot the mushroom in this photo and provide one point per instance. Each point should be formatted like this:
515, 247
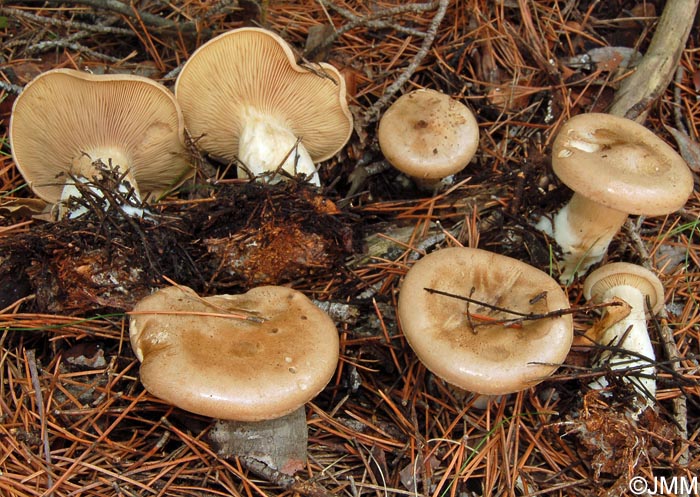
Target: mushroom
253, 359
634, 285
475, 344
245, 98
428, 136
615, 167
70, 124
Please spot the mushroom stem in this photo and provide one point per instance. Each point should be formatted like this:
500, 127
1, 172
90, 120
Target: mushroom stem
631, 335
266, 145
583, 229
278, 443
71, 191
432, 184
85, 169
482, 402
477, 401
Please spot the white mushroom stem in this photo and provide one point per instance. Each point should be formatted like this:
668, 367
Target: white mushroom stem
71, 191
266, 145
631, 335
481, 402
279, 443
433, 184
84, 170
583, 229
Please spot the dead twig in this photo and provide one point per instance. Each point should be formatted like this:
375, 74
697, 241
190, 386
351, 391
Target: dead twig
372, 21
372, 113
10, 88
72, 24
678, 101
34, 374
522, 316
132, 13
657, 68
668, 343
71, 44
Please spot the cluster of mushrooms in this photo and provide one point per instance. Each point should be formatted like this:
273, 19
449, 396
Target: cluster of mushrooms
241, 96
492, 325
458, 306
483, 322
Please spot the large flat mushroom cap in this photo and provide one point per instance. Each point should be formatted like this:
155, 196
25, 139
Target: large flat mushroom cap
64, 116
491, 358
428, 135
199, 359
251, 71
621, 164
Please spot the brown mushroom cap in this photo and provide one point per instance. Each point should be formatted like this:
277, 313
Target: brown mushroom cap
428, 135
624, 274
620, 164
65, 119
230, 368
250, 71
491, 358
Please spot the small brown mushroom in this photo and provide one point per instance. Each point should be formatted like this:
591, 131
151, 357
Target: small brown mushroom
634, 285
245, 98
428, 136
472, 345
65, 122
249, 358
615, 167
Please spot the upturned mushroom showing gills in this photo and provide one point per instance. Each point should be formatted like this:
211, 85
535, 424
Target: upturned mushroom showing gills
629, 336
428, 136
252, 359
474, 318
615, 167
245, 99
69, 124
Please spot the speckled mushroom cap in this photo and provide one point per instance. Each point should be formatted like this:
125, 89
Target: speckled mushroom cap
200, 360
428, 135
620, 164
251, 70
488, 358
65, 119
618, 274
